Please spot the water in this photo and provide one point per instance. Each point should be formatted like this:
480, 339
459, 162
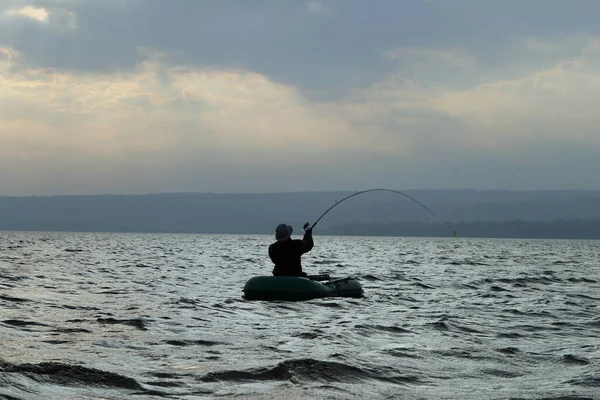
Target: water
111, 316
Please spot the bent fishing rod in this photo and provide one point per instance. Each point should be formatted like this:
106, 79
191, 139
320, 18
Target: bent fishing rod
308, 226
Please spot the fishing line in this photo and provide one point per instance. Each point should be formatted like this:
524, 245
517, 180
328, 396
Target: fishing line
306, 226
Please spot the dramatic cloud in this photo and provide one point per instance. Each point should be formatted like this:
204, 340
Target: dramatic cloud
108, 96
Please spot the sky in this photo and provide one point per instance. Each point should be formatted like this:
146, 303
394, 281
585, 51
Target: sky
146, 96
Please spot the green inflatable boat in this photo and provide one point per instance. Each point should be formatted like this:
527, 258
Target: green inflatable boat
292, 288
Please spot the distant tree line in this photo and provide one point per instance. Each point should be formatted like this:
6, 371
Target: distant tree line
564, 212
556, 229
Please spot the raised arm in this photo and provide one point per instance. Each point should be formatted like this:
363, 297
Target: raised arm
307, 241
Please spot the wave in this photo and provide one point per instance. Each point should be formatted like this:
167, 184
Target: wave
313, 371
468, 262
444, 324
463, 354
501, 373
135, 322
71, 375
585, 280
404, 353
383, 328
185, 343
587, 380
509, 335
370, 278
582, 296
594, 322
509, 350
325, 262
8, 397
422, 285
522, 281
572, 359
21, 323
13, 299
316, 334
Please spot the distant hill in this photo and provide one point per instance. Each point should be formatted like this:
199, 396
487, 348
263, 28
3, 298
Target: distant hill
558, 229
260, 213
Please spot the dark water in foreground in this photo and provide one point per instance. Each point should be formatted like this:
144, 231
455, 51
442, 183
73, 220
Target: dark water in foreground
108, 316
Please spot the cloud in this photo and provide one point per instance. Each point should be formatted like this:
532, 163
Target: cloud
280, 39
6, 57
52, 18
138, 96
557, 102
216, 115
36, 13
164, 116
162, 111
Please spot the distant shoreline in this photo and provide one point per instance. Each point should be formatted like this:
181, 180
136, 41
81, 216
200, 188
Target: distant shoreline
515, 229
552, 214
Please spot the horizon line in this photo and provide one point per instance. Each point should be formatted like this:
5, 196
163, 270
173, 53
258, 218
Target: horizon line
291, 192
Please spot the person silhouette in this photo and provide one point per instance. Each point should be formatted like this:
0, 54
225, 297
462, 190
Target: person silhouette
286, 252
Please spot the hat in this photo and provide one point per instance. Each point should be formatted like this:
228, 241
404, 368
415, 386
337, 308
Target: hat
283, 232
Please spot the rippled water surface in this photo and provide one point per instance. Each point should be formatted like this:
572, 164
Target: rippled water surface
162, 316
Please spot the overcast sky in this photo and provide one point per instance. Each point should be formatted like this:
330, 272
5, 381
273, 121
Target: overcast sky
138, 96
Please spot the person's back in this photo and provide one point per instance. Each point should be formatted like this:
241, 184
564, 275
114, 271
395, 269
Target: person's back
286, 252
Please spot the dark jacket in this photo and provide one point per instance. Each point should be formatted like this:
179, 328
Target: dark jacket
286, 255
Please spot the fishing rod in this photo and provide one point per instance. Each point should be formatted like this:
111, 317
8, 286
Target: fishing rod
307, 225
